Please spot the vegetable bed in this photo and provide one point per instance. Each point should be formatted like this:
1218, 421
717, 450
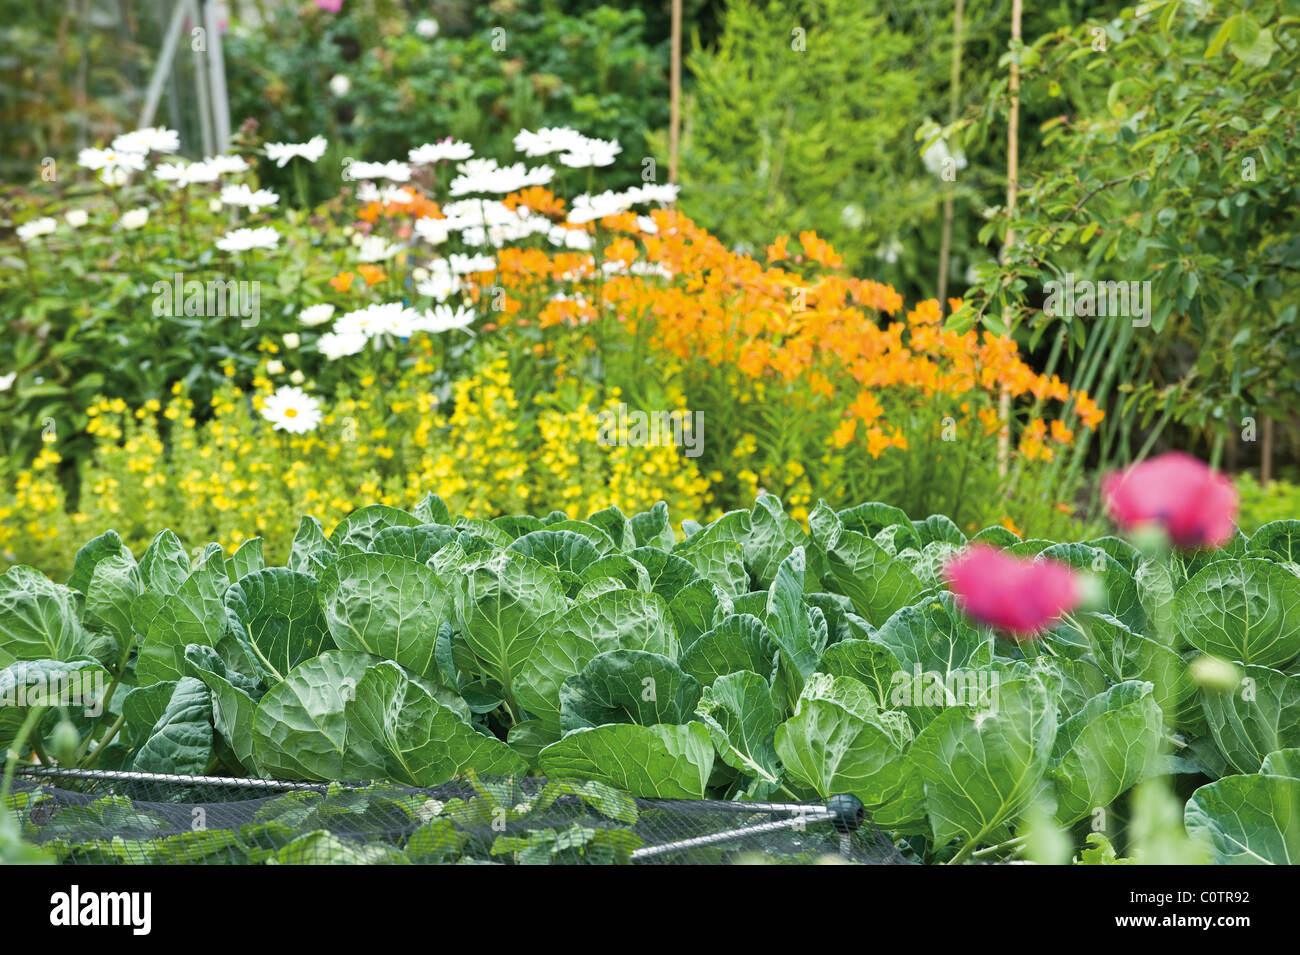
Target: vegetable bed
747, 659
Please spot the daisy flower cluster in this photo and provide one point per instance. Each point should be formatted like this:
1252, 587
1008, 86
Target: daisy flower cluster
382, 323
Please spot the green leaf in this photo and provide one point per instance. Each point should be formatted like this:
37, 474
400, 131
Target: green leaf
870, 663
939, 529
668, 573
981, 767
1285, 762
861, 570
1111, 744
195, 613
787, 619
312, 551
934, 636
618, 527
110, 596
247, 559
502, 609
142, 707
40, 620
652, 529
1245, 609
614, 620
356, 532
738, 711
350, 716
1125, 655
107, 544
873, 517
432, 510
276, 616
721, 562
662, 761
164, 566
422, 742
695, 607
628, 686
417, 543
1277, 540
835, 743
181, 741
563, 551
1249, 820
26, 683
773, 535
388, 606
1261, 716
740, 641
233, 706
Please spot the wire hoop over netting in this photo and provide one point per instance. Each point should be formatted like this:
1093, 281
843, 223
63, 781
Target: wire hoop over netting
121, 817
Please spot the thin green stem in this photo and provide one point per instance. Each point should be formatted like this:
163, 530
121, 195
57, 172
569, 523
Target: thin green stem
16, 747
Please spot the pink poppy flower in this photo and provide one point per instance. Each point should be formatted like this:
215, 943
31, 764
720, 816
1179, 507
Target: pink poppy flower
1018, 596
1196, 506
329, 6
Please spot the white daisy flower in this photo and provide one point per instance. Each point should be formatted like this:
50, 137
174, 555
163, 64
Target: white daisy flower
546, 141
275, 367
292, 409
316, 314
443, 318
575, 239
340, 84
394, 171
241, 195
297, 377
430, 153
241, 240
185, 175
151, 139
76, 218
292, 340
591, 152
431, 230
375, 248
467, 264
388, 318
653, 192
311, 150
114, 166
223, 165
35, 228
502, 180
589, 208
426, 27
440, 284
477, 167
336, 345
134, 218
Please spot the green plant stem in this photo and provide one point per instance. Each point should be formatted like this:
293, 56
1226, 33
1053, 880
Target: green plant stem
103, 743
1014, 841
16, 747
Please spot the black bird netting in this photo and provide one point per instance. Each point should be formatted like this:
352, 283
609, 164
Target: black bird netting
114, 818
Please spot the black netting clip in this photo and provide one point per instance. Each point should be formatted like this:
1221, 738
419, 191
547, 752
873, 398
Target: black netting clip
846, 813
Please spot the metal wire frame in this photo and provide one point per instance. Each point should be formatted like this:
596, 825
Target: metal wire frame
800, 814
